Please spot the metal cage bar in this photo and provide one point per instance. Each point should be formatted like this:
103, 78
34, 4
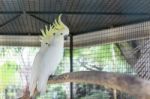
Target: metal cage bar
71, 65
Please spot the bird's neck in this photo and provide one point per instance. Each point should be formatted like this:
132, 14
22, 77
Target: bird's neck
58, 41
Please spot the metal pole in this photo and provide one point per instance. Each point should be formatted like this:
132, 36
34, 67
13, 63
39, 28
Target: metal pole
71, 65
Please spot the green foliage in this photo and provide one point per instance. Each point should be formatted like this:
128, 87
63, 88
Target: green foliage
99, 53
109, 56
117, 63
54, 92
67, 52
97, 95
7, 73
60, 93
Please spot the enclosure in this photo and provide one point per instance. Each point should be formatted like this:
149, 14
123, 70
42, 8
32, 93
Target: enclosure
105, 36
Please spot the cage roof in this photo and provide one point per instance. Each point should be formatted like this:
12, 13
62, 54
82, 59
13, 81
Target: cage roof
27, 17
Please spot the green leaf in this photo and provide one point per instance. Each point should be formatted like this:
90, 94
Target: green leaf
7, 72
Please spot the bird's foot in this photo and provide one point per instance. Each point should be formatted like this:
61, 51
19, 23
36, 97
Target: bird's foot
52, 76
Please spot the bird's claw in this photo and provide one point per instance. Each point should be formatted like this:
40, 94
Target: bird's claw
52, 76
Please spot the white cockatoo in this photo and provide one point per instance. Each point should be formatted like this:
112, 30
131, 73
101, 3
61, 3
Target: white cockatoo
49, 55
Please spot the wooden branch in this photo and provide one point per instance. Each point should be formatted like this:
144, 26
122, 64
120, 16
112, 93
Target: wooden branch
126, 83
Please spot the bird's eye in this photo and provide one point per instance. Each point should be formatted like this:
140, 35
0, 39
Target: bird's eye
54, 33
61, 33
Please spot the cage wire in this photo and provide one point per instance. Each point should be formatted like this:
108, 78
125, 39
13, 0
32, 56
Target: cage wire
15, 71
100, 57
123, 57
113, 50
16, 63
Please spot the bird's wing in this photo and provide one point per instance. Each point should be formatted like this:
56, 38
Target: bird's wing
35, 72
51, 60
42, 82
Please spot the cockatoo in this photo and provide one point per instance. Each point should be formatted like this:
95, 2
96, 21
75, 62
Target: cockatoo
49, 55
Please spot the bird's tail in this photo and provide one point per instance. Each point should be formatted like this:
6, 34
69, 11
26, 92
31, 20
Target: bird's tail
42, 84
32, 85
32, 88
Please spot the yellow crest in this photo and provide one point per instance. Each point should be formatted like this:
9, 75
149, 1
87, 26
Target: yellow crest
47, 32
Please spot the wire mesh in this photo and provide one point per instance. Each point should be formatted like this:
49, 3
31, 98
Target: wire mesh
102, 57
113, 57
15, 67
27, 17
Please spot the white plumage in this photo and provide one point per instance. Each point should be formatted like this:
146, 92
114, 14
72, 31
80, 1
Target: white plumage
49, 56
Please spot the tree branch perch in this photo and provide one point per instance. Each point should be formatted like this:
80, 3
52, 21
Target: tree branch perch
126, 83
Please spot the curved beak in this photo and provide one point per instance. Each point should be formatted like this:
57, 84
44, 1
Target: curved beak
66, 37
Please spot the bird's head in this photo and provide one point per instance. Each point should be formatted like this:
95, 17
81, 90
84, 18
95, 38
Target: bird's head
58, 28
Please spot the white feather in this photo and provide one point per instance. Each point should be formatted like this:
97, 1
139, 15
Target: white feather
48, 57
45, 64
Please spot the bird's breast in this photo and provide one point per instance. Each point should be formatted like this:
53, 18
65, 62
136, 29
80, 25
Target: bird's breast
54, 53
